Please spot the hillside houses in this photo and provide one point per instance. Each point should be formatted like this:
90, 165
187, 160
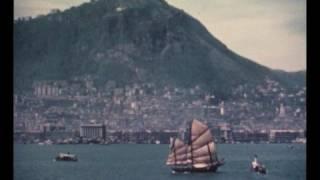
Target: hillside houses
145, 106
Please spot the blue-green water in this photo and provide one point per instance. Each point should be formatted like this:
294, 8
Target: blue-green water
139, 162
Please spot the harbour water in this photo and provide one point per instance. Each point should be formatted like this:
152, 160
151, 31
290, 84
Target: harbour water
139, 162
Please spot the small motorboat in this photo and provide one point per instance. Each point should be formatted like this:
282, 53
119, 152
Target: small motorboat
66, 157
257, 167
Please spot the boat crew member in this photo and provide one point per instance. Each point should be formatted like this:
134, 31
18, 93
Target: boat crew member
255, 163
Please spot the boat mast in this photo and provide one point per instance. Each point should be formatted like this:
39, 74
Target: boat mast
190, 143
174, 152
211, 161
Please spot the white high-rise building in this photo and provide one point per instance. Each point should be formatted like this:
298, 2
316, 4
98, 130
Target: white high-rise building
282, 111
222, 109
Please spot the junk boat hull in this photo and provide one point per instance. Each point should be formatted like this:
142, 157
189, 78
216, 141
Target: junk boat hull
210, 169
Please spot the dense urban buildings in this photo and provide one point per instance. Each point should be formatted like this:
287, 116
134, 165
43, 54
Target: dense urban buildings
78, 109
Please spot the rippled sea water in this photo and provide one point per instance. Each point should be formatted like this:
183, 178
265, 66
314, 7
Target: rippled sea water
139, 162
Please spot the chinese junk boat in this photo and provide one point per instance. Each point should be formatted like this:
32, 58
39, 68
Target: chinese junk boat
198, 155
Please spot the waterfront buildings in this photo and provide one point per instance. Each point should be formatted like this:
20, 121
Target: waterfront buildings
285, 135
92, 131
62, 107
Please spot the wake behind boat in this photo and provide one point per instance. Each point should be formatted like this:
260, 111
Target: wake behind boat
199, 155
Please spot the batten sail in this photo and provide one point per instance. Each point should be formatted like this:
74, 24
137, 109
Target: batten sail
202, 140
203, 147
197, 129
204, 151
179, 153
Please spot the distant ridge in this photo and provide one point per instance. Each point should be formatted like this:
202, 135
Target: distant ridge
132, 41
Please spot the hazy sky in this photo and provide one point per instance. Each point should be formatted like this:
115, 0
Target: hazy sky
270, 32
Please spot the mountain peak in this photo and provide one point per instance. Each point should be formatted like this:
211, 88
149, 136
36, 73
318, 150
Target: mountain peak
131, 3
128, 41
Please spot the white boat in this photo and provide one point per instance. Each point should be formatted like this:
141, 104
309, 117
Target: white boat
66, 157
257, 167
48, 142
